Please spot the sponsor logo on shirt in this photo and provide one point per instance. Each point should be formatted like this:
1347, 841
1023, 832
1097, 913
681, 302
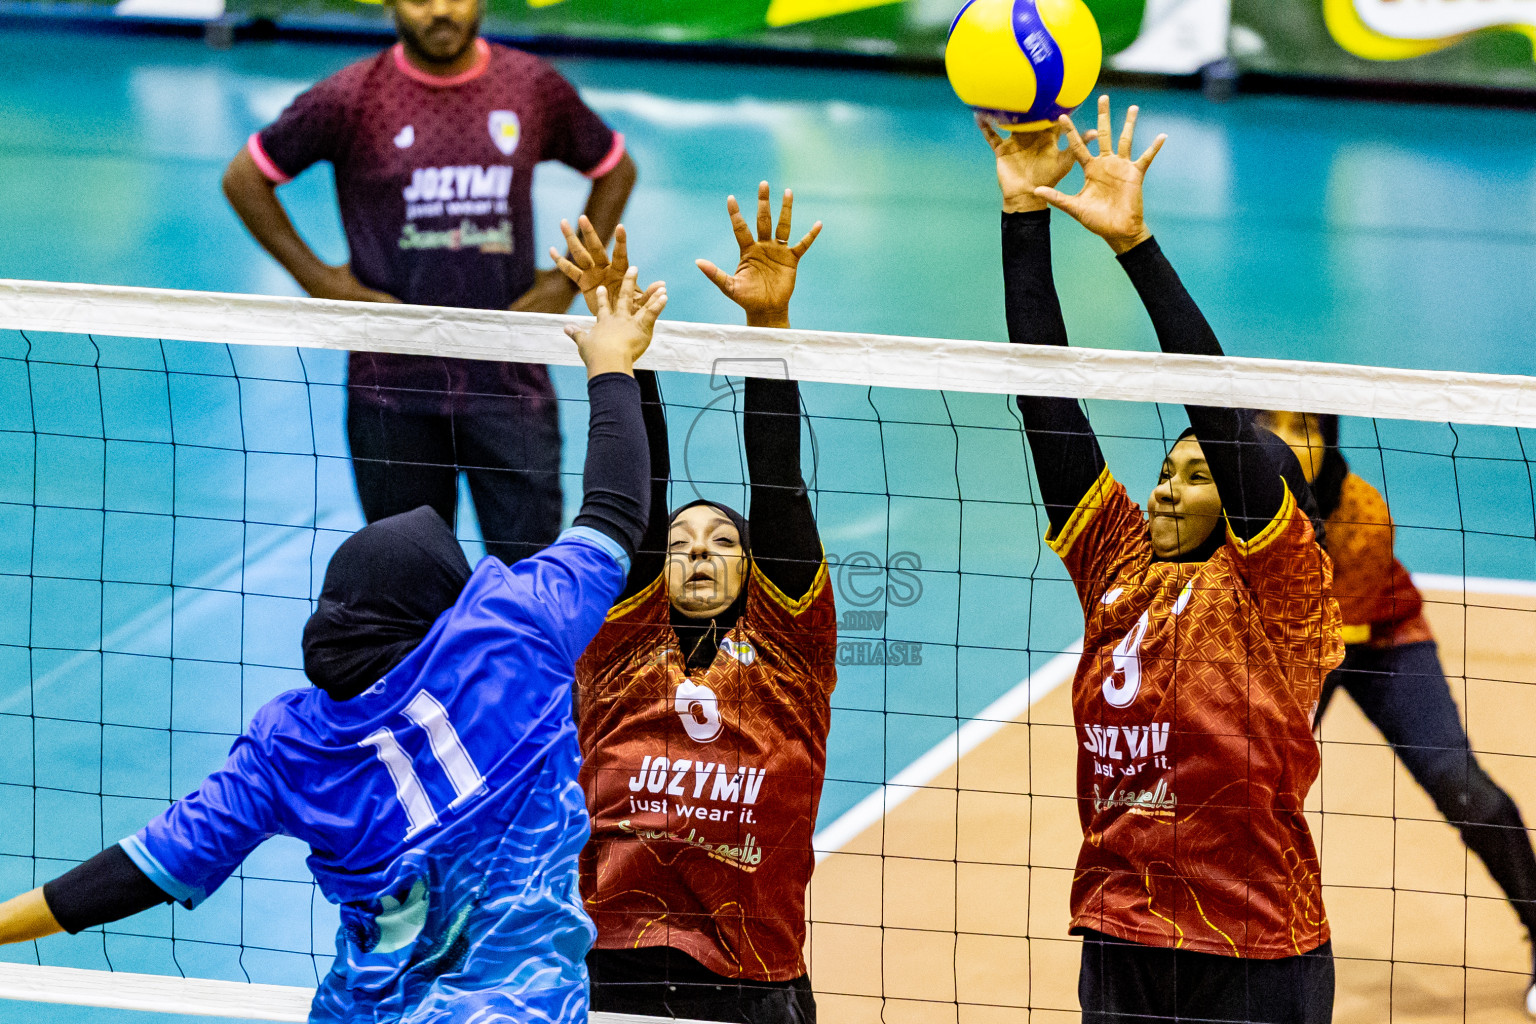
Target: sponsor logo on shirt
406, 138
470, 191
1139, 741
505, 130
717, 793
741, 650
466, 236
698, 708
1121, 754
1158, 801
746, 856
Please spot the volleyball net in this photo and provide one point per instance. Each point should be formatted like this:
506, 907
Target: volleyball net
174, 475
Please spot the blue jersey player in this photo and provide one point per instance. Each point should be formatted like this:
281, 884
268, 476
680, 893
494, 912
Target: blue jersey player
433, 768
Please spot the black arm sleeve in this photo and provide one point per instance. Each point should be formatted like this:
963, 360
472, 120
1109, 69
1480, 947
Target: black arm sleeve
618, 468
106, 888
1245, 473
1066, 453
785, 544
651, 557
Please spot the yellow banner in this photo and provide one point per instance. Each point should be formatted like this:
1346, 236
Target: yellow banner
1402, 29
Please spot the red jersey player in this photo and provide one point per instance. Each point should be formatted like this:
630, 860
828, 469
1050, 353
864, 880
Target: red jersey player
434, 142
1209, 629
1392, 666
705, 703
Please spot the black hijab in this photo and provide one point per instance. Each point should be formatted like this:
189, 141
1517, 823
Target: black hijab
1328, 485
700, 638
383, 589
1281, 456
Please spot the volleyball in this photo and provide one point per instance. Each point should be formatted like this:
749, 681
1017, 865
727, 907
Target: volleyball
1023, 63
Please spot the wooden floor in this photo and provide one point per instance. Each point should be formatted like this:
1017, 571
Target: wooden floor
954, 908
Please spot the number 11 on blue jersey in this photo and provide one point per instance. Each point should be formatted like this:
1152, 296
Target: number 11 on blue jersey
425, 711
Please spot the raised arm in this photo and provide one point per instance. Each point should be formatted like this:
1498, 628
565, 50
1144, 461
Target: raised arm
785, 542
651, 557
1066, 453
589, 267
618, 470
1110, 205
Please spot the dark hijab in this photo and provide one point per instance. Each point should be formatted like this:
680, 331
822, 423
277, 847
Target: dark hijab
700, 638
1329, 482
1281, 456
383, 589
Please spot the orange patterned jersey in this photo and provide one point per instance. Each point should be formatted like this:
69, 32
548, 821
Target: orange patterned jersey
1193, 705
1380, 604
703, 786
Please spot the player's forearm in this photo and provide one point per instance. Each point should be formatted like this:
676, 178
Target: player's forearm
609, 195
652, 552
254, 199
785, 542
1180, 326
106, 888
1246, 476
617, 477
1061, 440
26, 917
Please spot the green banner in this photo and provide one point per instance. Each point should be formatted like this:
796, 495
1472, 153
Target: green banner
1454, 42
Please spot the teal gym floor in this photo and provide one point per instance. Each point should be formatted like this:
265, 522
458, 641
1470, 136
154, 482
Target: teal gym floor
166, 510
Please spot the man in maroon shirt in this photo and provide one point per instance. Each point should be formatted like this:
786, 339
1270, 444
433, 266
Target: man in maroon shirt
434, 142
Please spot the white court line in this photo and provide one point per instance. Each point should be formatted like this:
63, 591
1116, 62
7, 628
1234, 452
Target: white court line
193, 997
948, 751
1474, 585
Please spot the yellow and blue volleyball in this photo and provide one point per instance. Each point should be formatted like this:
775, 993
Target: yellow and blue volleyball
1023, 63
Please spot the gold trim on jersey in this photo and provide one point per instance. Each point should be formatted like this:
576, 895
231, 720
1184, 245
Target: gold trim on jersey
1082, 515
781, 599
1356, 634
623, 608
1266, 536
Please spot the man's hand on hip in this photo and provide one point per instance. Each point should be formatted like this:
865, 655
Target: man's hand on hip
339, 282
551, 293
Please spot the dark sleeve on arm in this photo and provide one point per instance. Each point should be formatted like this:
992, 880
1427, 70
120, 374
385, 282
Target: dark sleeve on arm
651, 556
309, 130
785, 544
1245, 473
106, 888
618, 470
577, 137
1067, 456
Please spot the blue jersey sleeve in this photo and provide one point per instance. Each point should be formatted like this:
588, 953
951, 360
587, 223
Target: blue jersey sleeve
190, 849
565, 590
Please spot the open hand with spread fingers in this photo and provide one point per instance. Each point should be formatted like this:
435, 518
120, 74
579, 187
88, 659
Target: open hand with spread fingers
588, 265
1027, 161
1110, 203
765, 276
625, 322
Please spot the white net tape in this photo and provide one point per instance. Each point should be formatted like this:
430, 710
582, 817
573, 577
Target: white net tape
864, 359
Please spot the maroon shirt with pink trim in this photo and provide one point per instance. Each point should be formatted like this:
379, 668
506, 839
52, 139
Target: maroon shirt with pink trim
434, 176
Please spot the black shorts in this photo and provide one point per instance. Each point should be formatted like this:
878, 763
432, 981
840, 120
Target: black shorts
508, 448
664, 982
1128, 983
